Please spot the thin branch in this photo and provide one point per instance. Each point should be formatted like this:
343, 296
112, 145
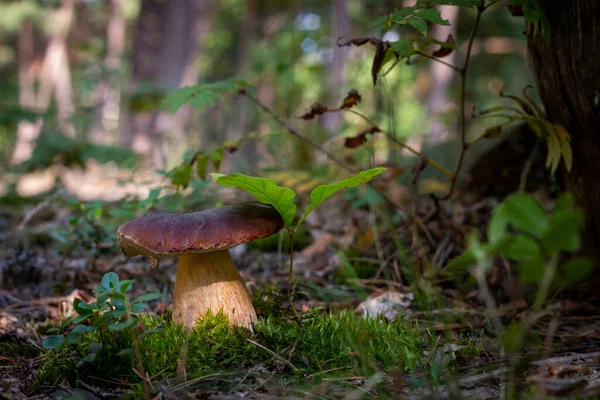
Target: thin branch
452, 67
294, 132
463, 95
394, 139
316, 146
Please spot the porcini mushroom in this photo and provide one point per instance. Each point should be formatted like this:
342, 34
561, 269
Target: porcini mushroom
207, 278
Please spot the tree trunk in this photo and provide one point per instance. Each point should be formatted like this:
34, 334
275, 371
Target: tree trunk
566, 73
168, 41
108, 94
441, 78
54, 77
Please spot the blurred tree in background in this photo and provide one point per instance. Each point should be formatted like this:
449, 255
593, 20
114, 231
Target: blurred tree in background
97, 72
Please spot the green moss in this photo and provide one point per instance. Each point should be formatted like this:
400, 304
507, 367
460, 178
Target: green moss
321, 342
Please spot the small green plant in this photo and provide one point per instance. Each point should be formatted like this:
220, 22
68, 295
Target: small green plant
282, 198
522, 231
555, 135
113, 311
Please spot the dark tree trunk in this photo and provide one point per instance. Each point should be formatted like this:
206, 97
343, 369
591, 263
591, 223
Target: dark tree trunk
568, 80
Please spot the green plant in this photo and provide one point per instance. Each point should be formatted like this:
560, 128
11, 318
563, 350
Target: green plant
555, 135
522, 231
113, 311
281, 198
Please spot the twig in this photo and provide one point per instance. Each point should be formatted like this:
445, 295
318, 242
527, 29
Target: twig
453, 67
527, 166
271, 352
39, 207
463, 94
399, 143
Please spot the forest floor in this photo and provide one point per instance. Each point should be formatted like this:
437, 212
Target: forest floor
434, 335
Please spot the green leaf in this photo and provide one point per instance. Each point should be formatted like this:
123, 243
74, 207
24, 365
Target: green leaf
432, 15
148, 297
522, 248
554, 152
513, 337
138, 307
460, 3
379, 23
496, 229
201, 166
88, 358
109, 280
323, 192
126, 286
121, 213
216, 156
82, 308
119, 326
575, 270
52, 342
462, 263
532, 271
418, 24
265, 190
181, 175
125, 352
202, 95
525, 214
94, 347
563, 232
404, 47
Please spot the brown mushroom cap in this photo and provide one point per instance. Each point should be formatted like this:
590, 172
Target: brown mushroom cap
199, 232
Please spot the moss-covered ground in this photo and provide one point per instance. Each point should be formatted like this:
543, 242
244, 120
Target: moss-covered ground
294, 354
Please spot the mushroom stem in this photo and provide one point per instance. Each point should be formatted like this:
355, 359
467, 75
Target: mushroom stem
210, 281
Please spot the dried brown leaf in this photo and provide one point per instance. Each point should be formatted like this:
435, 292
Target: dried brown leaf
352, 99
315, 109
360, 138
445, 51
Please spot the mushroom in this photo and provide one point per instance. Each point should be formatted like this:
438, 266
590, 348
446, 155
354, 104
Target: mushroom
207, 278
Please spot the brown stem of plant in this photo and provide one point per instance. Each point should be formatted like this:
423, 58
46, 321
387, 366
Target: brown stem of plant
527, 167
291, 276
439, 60
138, 357
461, 119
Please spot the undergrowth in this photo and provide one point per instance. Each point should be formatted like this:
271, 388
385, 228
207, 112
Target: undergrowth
341, 344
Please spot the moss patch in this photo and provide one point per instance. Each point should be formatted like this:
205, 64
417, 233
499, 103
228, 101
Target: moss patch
322, 345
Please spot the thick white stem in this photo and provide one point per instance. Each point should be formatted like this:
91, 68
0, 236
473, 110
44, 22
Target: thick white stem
210, 281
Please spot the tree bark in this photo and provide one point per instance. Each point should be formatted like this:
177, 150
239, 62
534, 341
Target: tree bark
108, 94
441, 78
566, 73
54, 77
167, 43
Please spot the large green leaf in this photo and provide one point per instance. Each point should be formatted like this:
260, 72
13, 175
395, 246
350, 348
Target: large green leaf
575, 270
202, 95
525, 214
563, 233
522, 247
432, 15
323, 192
404, 47
418, 24
265, 190
53, 341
